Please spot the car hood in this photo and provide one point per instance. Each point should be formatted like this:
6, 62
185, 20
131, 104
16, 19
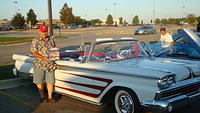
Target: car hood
191, 38
155, 68
140, 30
161, 67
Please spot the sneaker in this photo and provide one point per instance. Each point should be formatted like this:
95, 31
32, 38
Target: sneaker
51, 100
43, 100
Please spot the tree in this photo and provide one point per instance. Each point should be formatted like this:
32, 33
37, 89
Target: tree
120, 20
151, 21
191, 18
31, 17
174, 21
142, 22
157, 21
198, 19
109, 20
78, 20
164, 21
66, 15
135, 20
125, 22
95, 21
18, 20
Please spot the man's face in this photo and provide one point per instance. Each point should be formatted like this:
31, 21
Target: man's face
43, 35
162, 32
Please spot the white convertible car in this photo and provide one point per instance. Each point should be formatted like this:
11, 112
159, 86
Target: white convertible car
121, 71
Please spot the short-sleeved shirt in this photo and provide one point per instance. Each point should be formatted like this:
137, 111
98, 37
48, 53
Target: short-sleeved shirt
165, 40
42, 47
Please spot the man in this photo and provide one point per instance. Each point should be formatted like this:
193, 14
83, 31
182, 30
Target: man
43, 67
166, 39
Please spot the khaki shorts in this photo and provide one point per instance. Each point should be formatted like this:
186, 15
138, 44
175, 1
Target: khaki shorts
41, 76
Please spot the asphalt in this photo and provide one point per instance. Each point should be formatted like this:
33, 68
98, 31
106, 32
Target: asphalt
21, 96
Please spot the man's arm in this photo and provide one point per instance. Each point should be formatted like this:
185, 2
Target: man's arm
35, 54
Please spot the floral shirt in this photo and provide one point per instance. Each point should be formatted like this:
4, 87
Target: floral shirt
42, 47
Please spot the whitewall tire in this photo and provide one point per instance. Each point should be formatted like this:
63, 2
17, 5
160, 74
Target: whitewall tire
126, 102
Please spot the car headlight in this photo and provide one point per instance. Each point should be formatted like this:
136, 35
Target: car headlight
140, 31
166, 81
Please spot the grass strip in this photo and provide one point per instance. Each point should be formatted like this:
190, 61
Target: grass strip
17, 40
14, 40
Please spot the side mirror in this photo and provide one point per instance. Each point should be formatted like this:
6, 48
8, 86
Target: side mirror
107, 59
82, 59
152, 53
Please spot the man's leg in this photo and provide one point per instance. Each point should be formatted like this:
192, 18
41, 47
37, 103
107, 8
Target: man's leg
41, 90
50, 90
38, 79
50, 80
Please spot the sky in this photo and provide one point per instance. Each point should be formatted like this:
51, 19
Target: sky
99, 9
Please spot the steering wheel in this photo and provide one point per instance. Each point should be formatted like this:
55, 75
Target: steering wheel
124, 54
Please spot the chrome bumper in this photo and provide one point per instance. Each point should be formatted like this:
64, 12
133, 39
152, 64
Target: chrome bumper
175, 97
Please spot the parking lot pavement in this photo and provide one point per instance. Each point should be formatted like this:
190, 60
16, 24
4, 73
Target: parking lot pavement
24, 99
20, 99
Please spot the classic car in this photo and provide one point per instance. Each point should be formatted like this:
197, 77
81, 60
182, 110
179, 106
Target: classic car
186, 45
144, 30
121, 71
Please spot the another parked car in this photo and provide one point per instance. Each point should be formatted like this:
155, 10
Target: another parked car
72, 27
198, 27
186, 44
5, 28
144, 30
121, 71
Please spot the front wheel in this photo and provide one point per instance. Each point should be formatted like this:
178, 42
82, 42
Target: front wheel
126, 102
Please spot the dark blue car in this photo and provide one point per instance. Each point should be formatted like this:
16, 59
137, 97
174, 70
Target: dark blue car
186, 44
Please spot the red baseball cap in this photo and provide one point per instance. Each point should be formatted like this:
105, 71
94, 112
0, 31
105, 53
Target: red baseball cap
43, 28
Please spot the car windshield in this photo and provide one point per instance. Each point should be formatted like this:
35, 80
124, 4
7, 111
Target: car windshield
143, 27
117, 50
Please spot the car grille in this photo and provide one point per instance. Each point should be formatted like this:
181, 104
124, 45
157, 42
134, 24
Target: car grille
187, 88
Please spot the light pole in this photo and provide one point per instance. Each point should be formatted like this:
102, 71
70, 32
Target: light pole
50, 18
114, 9
106, 12
184, 11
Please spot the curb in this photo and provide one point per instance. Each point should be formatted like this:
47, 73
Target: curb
12, 83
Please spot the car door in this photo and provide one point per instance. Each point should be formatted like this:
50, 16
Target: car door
182, 46
78, 82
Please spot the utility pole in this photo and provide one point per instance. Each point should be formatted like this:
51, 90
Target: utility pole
50, 18
15, 2
114, 9
154, 14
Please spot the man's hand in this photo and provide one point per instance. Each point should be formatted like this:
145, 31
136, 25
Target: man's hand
46, 59
171, 43
35, 54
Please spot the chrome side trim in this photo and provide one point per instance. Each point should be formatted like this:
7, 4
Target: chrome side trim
61, 67
94, 103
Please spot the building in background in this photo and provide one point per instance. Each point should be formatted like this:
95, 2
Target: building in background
5, 23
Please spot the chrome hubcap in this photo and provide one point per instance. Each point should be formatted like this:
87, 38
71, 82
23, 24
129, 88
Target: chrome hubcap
125, 103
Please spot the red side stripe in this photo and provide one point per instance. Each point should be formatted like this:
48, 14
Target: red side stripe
79, 92
93, 78
109, 81
85, 85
